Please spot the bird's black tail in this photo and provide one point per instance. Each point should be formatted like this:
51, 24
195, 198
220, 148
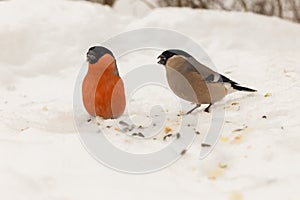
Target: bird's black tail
241, 88
235, 85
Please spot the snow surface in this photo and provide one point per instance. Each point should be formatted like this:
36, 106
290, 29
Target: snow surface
43, 46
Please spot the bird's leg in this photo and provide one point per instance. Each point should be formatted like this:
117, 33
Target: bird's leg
197, 106
207, 109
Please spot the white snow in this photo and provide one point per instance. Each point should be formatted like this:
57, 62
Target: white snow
43, 46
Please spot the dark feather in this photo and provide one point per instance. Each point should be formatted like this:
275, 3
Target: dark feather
235, 85
241, 88
224, 79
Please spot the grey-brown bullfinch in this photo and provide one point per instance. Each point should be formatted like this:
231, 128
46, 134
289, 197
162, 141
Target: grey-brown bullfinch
194, 82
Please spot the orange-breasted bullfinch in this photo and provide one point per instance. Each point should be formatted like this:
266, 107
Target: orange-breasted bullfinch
195, 82
102, 88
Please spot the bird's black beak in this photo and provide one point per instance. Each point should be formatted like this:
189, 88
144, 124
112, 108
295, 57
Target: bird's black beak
90, 56
162, 60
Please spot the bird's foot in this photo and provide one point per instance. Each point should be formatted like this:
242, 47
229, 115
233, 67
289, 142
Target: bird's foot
207, 109
189, 112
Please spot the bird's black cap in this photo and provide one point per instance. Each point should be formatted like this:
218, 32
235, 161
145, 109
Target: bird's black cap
96, 52
169, 53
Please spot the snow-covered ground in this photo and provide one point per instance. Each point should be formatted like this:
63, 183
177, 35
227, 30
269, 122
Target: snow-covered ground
43, 46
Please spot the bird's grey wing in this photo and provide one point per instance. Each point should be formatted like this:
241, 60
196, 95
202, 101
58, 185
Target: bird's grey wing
192, 65
208, 74
212, 77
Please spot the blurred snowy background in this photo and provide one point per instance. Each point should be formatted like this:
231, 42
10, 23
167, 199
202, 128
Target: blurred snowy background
286, 9
43, 45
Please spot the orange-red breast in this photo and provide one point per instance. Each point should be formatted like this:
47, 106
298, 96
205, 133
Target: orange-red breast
102, 88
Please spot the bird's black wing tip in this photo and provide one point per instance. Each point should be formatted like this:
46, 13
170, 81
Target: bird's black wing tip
241, 88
